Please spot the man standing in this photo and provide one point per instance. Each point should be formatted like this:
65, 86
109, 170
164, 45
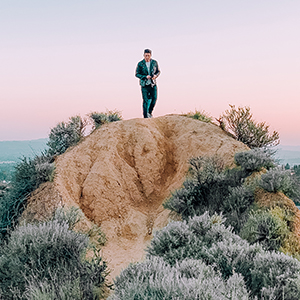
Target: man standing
147, 71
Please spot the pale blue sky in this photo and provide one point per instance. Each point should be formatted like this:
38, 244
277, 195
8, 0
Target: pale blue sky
61, 58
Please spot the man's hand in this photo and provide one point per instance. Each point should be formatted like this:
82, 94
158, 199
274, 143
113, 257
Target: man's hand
154, 77
148, 77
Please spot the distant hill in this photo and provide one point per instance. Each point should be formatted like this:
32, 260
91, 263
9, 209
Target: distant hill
288, 154
12, 151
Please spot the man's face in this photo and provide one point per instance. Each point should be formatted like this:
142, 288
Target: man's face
147, 56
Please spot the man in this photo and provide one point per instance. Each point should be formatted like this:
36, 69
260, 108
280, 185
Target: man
147, 71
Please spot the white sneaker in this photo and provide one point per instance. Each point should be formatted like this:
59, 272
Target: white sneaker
149, 115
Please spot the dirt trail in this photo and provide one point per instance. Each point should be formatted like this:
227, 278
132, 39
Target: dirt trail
121, 174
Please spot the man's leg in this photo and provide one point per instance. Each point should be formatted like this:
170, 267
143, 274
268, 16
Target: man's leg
146, 101
153, 99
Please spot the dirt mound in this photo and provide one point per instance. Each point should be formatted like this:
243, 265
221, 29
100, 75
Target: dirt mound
121, 174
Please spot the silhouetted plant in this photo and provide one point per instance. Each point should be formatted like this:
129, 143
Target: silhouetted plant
239, 122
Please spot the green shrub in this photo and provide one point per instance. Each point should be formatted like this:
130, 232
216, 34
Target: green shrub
254, 160
70, 216
191, 279
180, 240
97, 236
196, 196
236, 206
281, 180
200, 115
29, 174
41, 249
102, 118
275, 275
210, 187
68, 288
65, 135
203, 238
206, 239
267, 229
49, 258
240, 124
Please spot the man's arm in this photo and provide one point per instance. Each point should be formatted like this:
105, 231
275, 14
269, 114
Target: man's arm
157, 71
139, 71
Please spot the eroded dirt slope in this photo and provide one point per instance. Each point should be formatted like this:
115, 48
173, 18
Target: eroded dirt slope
121, 174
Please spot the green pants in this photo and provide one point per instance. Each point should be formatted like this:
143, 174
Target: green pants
149, 95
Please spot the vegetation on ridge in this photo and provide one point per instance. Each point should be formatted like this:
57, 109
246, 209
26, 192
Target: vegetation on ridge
213, 188
229, 245
100, 119
29, 173
200, 115
240, 123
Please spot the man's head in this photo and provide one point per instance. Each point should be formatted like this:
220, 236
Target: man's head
147, 54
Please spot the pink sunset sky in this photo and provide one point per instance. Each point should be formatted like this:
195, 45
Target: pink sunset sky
64, 58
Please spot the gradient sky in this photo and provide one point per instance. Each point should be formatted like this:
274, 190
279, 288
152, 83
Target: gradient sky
60, 58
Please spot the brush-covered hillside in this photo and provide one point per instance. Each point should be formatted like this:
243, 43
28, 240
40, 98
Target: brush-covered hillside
173, 207
121, 174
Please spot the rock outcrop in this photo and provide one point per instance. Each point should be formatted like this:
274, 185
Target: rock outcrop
121, 174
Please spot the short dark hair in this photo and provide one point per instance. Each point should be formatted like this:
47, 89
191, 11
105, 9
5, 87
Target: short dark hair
147, 51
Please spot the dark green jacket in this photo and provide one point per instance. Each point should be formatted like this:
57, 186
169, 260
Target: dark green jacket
141, 71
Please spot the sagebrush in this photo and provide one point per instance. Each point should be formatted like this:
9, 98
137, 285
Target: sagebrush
65, 135
200, 115
203, 259
48, 260
101, 118
28, 175
240, 123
